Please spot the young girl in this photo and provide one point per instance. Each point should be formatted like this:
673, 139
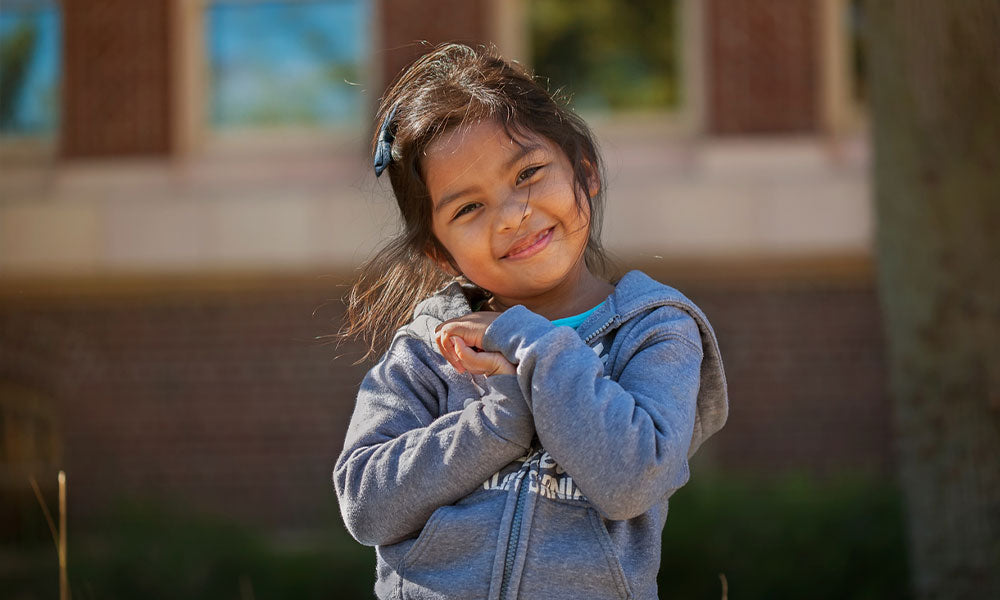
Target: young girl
523, 432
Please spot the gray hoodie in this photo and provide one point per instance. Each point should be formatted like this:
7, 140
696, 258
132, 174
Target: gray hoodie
552, 483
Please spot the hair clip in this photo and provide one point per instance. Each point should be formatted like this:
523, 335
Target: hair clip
383, 148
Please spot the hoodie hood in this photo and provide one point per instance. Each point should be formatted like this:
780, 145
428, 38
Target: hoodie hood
453, 300
635, 293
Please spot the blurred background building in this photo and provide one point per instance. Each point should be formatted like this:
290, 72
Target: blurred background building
186, 188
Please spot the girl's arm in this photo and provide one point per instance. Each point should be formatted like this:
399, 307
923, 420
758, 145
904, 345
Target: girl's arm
624, 442
401, 460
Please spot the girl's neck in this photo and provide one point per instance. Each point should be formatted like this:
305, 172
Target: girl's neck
573, 296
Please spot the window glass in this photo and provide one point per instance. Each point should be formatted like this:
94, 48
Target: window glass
608, 54
30, 40
856, 25
285, 62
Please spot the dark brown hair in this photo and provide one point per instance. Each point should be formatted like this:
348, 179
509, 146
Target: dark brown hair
451, 85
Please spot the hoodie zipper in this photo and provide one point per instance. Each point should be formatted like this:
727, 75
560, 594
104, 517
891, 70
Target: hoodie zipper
515, 534
600, 330
515, 523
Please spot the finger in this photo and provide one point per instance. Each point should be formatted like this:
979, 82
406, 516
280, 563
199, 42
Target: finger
500, 364
443, 346
484, 363
466, 356
446, 345
471, 333
437, 340
459, 348
448, 351
493, 363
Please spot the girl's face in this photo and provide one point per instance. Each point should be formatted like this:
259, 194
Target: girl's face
507, 211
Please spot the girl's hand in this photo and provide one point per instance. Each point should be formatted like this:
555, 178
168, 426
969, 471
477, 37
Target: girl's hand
460, 341
479, 363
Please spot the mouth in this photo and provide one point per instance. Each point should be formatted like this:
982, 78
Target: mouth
530, 245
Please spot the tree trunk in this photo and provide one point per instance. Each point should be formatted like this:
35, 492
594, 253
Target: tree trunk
935, 100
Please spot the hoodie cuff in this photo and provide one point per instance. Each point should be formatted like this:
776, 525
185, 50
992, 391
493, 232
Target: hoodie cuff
506, 410
513, 331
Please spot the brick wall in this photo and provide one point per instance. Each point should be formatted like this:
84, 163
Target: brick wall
225, 401
409, 29
762, 66
116, 88
807, 378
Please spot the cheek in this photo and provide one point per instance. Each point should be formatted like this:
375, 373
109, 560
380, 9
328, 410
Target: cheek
581, 213
465, 244
571, 196
442, 241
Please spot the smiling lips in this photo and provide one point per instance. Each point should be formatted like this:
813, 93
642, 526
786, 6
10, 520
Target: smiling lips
531, 245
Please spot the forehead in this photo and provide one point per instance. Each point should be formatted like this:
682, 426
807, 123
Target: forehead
476, 133
472, 150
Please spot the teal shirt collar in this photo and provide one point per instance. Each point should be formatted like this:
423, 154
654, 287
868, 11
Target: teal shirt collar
576, 320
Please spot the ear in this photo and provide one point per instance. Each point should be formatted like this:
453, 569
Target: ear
593, 178
436, 254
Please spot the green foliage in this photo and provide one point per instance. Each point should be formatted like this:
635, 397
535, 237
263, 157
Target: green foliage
156, 552
790, 538
607, 54
16, 51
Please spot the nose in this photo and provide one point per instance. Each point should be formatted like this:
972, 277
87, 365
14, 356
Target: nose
514, 210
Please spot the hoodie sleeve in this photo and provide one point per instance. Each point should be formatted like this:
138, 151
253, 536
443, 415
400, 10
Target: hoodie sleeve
402, 459
624, 442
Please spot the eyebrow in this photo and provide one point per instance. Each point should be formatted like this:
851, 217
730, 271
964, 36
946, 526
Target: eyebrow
525, 150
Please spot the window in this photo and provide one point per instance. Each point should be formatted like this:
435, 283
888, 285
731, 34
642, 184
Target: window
30, 40
609, 55
293, 62
856, 33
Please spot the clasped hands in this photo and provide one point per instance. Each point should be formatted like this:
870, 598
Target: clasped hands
461, 339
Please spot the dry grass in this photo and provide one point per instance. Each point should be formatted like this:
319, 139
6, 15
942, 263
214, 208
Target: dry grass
58, 536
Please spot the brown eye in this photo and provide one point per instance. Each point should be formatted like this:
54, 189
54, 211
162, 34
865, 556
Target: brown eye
527, 173
466, 209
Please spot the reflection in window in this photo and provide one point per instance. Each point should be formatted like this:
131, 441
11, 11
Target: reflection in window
608, 55
285, 62
856, 25
30, 41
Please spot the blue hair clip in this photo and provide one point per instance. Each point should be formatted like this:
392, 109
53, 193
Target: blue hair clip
383, 148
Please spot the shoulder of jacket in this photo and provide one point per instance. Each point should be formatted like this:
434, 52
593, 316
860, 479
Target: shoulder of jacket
408, 356
649, 304
637, 292
664, 321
